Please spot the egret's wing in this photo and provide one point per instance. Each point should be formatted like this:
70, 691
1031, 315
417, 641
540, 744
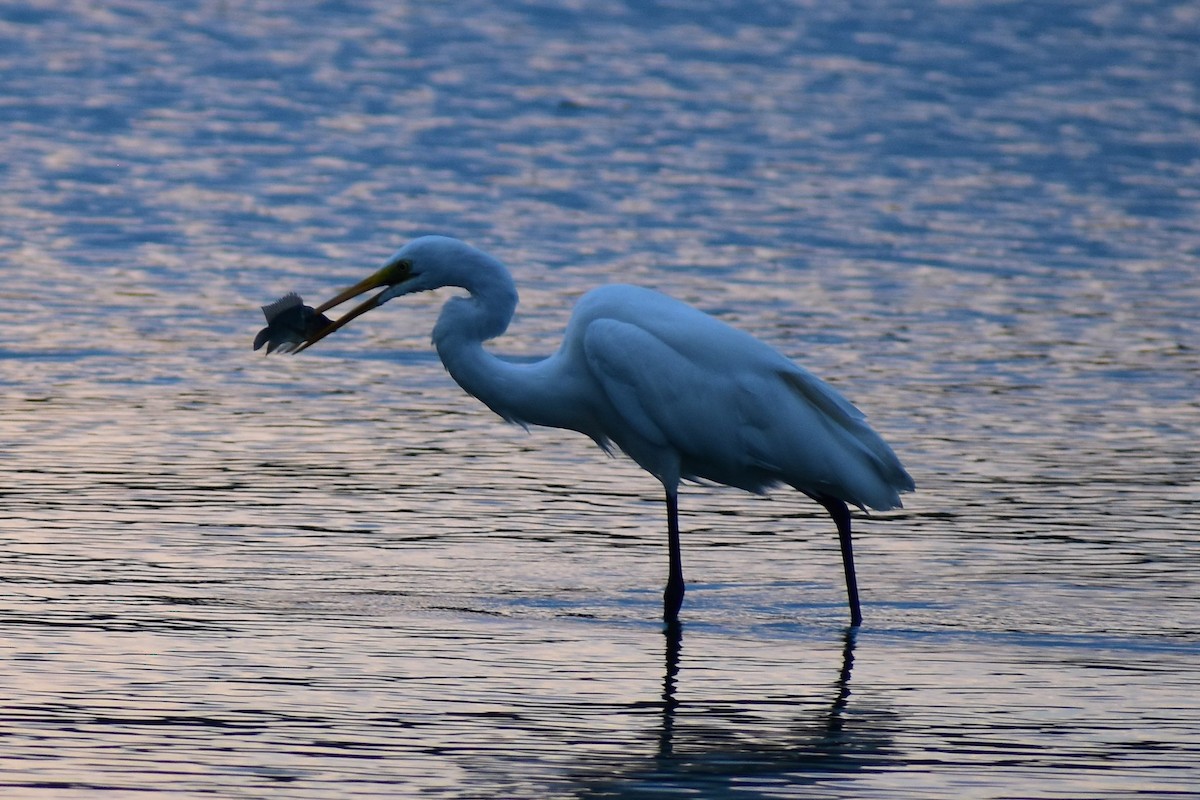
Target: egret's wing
701, 410
737, 412
641, 376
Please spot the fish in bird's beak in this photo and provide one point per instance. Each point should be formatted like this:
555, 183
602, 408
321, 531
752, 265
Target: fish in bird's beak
289, 324
389, 276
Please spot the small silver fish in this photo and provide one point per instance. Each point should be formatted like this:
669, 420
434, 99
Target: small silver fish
289, 324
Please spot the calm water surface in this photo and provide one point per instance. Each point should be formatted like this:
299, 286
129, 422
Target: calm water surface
336, 576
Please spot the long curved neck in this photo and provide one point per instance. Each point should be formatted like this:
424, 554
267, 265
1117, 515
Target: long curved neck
529, 394
465, 323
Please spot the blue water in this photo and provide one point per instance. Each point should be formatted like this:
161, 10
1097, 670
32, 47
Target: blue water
335, 575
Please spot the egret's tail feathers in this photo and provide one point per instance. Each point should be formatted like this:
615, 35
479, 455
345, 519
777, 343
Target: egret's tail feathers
855, 464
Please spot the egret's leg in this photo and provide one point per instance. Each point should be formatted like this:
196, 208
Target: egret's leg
673, 596
841, 517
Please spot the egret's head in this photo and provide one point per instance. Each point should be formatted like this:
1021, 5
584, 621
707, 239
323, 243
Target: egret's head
425, 263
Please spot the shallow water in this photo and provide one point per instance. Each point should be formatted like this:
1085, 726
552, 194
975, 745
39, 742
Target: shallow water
335, 575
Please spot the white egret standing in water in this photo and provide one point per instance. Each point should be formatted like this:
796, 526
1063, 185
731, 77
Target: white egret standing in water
684, 395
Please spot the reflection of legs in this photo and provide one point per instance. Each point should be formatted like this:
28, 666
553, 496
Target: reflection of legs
841, 517
843, 682
673, 634
832, 740
673, 596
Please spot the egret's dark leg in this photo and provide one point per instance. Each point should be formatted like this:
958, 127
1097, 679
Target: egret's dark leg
673, 596
841, 517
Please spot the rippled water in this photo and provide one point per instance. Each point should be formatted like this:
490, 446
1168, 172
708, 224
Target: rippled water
337, 576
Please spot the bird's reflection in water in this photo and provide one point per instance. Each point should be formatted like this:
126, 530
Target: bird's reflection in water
729, 749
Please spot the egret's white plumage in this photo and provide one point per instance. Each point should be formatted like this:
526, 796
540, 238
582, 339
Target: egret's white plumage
681, 393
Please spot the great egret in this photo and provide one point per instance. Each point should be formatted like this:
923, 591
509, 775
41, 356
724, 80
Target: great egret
684, 395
